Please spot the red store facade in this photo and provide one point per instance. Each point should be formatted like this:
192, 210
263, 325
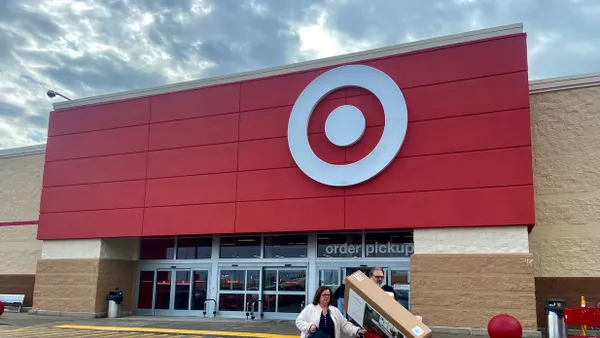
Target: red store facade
188, 197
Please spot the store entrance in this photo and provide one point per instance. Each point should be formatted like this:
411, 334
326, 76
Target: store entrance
172, 291
265, 292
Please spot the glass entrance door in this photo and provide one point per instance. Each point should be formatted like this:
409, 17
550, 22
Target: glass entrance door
284, 291
239, 290
179, 292
273, 291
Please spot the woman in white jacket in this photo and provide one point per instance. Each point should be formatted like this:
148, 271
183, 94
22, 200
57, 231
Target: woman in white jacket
325, 317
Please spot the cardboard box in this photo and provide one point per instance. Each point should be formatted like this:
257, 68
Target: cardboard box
378, 313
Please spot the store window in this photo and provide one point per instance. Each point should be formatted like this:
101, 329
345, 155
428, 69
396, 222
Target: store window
194, 247
240, 247
286, 246
389, 244
339, 245
157, 248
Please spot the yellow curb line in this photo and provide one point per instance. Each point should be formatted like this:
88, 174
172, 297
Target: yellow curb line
176, 331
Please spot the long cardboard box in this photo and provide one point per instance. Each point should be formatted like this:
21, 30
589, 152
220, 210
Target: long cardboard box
378, 313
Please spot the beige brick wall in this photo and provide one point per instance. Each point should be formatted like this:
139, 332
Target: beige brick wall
566, 149
19, 249
20, 187
467, 290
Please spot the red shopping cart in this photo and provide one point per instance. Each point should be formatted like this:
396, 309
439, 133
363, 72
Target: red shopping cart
587, 317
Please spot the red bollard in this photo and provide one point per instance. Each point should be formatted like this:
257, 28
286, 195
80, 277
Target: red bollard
504, 326
1, 308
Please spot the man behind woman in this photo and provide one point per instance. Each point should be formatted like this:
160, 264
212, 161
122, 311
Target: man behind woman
322, 315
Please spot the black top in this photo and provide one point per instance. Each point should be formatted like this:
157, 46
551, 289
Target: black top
387, 288
326, 325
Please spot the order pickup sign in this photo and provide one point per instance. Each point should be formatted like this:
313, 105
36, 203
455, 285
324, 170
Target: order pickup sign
378, 313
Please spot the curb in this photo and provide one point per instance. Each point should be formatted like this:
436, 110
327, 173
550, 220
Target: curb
174, 331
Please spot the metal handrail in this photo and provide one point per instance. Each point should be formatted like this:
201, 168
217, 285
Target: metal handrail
252, 316
215, 308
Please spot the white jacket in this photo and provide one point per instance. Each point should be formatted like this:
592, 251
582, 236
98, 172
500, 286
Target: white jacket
312, 315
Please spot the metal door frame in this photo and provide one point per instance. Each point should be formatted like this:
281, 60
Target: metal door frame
154, 267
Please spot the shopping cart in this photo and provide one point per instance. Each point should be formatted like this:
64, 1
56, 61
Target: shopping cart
587, 317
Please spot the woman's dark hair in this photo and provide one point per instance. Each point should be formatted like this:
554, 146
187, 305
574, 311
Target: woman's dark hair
318, 295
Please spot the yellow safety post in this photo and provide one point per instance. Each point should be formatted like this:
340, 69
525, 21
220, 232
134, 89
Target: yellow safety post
583, 327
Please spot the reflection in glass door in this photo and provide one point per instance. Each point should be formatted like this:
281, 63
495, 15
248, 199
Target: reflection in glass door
284, 290
145, 291
162, 292
176, 292
239, 290
399, 279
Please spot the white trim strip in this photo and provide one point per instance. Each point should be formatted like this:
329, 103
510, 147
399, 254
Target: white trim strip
301, 66
564, 83
23, 151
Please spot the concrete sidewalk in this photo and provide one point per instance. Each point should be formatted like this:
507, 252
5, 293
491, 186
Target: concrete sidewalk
192, 327
267, 328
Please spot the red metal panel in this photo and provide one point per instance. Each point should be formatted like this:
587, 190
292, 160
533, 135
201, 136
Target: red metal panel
482, 95
119, 195
264, 123
371, 108
273, 122
265, 154
476, 132
488, 168
190, 220
194, 132
104, 116
454, 62
98, 143
200, 189
193, 161
290, 215
467, 133
274, 153
449, 208
278, 91
95, 170
196, 103
91, 224
275, 184
466, 160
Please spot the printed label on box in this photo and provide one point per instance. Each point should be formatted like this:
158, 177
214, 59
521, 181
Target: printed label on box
358, 277
370, 319
417, 331
356, 307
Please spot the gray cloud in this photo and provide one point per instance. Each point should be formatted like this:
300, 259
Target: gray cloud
91, 47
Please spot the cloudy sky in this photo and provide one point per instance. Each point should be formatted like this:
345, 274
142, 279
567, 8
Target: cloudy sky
91, 47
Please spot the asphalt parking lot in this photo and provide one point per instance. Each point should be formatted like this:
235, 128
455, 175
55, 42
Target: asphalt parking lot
47, 331
23, 325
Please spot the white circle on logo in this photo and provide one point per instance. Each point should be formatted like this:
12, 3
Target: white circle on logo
345, 125
394, 131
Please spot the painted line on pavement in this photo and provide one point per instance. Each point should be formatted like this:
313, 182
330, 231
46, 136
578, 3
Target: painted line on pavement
176, 331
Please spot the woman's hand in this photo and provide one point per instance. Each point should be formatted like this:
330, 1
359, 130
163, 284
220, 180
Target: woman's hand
313, 328
361, 331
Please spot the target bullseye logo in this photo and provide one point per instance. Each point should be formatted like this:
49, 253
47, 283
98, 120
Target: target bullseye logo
346, 124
